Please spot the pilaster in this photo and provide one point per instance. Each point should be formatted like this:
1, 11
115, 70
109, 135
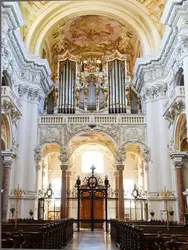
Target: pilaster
120, 158
177, 158
63, 157
7, 163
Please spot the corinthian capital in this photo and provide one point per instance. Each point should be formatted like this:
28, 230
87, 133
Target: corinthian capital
120, 156
63, 157
33, 94
182, 47
148, 93
23, 90
161, 89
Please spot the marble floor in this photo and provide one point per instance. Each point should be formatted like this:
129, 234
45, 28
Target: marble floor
97, 240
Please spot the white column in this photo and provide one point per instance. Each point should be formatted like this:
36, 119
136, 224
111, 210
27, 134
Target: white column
182, 55
32, 143
153, 179
162, 139
185, 70
22, 139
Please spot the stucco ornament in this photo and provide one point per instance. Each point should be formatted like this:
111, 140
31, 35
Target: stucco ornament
52, 134
171, 147
133, 133
63, 157
146, 154
120, 155
37, 154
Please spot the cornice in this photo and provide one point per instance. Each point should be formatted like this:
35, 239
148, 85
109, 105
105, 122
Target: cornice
154, 62
177, 10
171, 10
12, 16
12, 10
154, 91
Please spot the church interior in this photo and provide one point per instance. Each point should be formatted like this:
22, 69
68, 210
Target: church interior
94, 109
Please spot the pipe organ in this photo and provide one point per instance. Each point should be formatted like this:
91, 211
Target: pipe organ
67, 79
116, 86
94, 84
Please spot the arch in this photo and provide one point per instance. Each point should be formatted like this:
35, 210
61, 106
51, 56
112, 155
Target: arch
54, 147
83, 130
5, 131
180, 131
92, 147
142, 145
123, 11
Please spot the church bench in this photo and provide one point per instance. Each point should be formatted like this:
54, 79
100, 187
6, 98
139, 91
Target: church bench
129, 236
50, 235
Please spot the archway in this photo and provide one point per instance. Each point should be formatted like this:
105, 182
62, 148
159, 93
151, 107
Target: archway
181, 144
82, 159
50, 174
5, 132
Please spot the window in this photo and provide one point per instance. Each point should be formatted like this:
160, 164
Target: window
56, 187
128, 187
90, 158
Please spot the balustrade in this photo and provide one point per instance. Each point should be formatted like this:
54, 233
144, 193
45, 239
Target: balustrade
78, 119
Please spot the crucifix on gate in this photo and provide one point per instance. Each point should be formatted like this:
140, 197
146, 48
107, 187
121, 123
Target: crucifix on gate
94, 190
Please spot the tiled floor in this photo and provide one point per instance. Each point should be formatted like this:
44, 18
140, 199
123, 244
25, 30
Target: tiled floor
87, 240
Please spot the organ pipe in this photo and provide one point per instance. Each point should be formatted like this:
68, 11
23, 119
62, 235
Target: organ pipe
116, 78
66, 87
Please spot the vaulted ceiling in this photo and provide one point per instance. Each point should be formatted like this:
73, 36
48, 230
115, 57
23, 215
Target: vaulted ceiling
129, 26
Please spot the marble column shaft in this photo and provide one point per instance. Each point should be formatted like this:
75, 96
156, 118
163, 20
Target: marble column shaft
181, 202
68, 189
120, 169
153, 182
6, 190
185, 71
63, 192
162, 142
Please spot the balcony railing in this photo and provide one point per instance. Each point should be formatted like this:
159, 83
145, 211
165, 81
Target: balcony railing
91, 119
8, 95
177, 93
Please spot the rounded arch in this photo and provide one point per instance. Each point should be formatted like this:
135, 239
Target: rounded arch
180, 133
90, 148
142, 145
123, 11
89, 131
50, 147
6, 131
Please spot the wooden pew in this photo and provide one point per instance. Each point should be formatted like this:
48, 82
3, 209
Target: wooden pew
137, 236
40, 234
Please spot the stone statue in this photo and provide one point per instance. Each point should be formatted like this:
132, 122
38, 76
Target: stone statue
128, 95
77, 96
105, 91
55, 96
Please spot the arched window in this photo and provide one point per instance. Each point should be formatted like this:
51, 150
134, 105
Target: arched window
128, 187
90, 158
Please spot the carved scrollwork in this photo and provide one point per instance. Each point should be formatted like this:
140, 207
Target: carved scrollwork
146, 154
63, 157
37, 154
133, 133
50, 133
175, 110
120, 155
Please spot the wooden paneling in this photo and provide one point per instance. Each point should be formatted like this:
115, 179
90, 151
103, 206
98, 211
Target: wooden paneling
86, 212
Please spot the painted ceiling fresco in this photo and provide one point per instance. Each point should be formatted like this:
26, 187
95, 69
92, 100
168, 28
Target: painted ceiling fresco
93, 33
